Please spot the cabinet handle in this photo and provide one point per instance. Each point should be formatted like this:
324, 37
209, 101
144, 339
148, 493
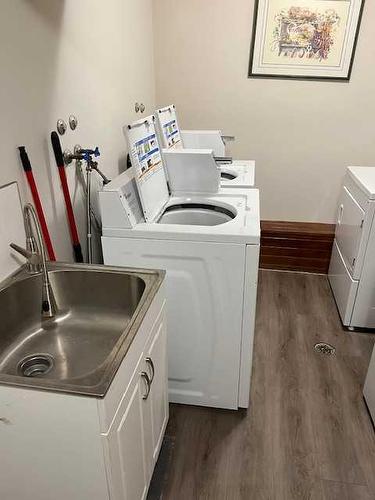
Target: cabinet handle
341, 210
151, 365
148, 384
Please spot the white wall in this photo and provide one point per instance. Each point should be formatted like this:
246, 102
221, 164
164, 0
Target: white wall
84, 57
59, 57
302, 133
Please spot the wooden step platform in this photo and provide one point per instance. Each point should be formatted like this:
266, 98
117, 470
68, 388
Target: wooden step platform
296, 246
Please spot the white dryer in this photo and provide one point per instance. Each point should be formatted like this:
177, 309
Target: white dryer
234, 173
209, 246
352, 267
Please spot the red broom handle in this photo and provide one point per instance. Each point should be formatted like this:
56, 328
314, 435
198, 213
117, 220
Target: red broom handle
38, 205
64, 184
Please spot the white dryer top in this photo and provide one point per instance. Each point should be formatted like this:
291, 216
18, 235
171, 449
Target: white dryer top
244, 228
364, 177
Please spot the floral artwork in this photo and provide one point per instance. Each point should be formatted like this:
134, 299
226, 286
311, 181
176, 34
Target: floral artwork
305, 38
301, 32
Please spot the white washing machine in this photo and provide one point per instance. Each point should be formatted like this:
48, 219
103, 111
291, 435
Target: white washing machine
234, 173
352, 267
209, 246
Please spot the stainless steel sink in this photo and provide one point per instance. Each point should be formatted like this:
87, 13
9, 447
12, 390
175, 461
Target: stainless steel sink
79, 350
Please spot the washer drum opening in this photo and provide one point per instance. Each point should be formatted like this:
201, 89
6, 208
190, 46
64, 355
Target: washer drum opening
196, 214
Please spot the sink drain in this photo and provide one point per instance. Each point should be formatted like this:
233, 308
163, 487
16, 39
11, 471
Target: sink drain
35, 365
325, 348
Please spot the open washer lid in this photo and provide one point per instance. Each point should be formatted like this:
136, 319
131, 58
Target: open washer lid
169, 129
244, 228
148, 166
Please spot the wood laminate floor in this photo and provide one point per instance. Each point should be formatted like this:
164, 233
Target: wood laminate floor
307, 434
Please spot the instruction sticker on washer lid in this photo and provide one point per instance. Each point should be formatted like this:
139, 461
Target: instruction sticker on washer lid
148, 159
171, 134
130, 199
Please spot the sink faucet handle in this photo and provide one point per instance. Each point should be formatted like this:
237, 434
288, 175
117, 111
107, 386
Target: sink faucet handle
26, 253
33, 258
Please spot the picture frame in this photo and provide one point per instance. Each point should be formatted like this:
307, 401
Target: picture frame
304, 39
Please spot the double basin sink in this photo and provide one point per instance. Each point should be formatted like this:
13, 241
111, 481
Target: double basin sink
99, 310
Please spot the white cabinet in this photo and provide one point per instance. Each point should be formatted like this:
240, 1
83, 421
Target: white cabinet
72, 447
136, 434
158, 399
127, 446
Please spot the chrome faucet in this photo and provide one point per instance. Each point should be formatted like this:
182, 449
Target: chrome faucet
36, 259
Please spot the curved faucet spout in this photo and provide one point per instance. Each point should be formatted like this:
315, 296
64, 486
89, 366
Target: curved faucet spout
37, 261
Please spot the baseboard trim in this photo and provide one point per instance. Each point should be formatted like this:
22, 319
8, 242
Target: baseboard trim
296, 246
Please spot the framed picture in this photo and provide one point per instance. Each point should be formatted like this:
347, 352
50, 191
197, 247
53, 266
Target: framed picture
305, 39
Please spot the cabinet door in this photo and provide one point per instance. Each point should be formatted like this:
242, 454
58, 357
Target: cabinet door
349, 230
126, 442
156, 363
